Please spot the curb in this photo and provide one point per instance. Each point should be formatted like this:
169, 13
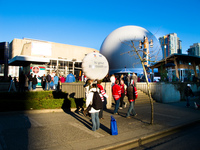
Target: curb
36, 111
149, 138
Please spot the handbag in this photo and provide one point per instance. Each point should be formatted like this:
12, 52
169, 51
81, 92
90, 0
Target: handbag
113, 126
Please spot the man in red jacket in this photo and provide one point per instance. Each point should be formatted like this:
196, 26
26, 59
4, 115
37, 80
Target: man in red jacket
132, 95
116, 92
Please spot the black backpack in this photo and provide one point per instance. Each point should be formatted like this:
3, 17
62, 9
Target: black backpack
97, 102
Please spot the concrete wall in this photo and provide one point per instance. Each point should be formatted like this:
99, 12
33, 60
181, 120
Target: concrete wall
167, 92
77, 90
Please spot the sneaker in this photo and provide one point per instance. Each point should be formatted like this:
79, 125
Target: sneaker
116, 114
125, 105
128, 117
120, 108
195, 105
135, 115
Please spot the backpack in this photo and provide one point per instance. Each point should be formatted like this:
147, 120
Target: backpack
97, 102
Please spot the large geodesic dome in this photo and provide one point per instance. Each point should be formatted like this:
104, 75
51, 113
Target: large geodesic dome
117, 45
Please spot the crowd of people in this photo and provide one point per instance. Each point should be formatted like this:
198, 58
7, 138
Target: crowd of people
29, 82
120, 89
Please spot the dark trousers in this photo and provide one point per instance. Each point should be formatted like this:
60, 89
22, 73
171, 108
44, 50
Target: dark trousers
122, 99
101, 114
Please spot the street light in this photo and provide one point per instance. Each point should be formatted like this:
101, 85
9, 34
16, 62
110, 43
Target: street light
145, 45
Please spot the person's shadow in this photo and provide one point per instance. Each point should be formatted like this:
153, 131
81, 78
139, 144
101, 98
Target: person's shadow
80, 103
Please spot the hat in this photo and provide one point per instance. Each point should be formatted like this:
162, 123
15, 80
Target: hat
189, 85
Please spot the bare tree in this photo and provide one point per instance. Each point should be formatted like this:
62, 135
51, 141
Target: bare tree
137, 51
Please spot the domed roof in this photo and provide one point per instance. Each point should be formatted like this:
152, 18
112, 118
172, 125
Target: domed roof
117, 43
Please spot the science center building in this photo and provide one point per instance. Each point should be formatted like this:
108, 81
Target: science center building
42, 57
118, 51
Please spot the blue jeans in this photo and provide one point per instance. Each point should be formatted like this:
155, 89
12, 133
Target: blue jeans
131, 109
95, 121
47, 84
30, 85
34, 86
56, 85
188, 101
116, 105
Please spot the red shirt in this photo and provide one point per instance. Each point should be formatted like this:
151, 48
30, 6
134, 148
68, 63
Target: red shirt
116, 91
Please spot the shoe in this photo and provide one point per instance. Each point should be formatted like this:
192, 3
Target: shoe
125, 105
128, 117
195, 105
116, 114
101, 118
135, 115
120, 108
85, 113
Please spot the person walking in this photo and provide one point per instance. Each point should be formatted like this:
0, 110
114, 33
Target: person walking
94, 113
134, 78
103, 94
87, 87
132, 94
188, 93
35, 82
116, 92
123, 93
55, 81
48, 81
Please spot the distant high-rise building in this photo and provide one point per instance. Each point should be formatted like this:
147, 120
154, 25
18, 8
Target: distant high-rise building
170, 44
194, 50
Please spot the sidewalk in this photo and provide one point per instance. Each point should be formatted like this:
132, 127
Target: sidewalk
61, 131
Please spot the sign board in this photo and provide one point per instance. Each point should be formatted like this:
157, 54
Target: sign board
95, 66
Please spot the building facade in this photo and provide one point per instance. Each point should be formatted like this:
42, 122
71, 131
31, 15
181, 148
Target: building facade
194, 50
170, 44
33, 55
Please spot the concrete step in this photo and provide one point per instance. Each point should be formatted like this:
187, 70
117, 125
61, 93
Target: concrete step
142, 98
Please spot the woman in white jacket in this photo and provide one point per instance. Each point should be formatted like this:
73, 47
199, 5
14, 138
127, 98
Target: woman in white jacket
94, 113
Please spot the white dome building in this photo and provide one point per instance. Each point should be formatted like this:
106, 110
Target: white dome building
117, 43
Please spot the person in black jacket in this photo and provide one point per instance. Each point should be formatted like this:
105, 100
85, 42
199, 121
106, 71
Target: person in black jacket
43, 82
188, 93
34, 80
48, 81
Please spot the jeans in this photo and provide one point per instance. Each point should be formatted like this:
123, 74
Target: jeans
56, 86
116, 105
30, 85
47, 84
95, 121
131, 109
188, 101
34, 86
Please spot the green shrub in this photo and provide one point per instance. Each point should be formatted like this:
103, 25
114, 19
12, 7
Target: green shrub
19, 101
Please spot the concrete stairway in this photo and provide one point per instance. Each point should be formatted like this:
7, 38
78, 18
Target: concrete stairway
142, 98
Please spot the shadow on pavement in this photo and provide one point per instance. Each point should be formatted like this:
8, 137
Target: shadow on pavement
78, 114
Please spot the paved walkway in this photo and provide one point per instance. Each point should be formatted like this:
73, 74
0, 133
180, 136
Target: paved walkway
57, 130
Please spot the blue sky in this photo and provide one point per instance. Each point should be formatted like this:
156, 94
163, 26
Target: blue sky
88, 22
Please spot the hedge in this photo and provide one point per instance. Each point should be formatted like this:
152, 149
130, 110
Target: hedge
19, 101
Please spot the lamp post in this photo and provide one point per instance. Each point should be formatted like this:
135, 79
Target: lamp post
145, 45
